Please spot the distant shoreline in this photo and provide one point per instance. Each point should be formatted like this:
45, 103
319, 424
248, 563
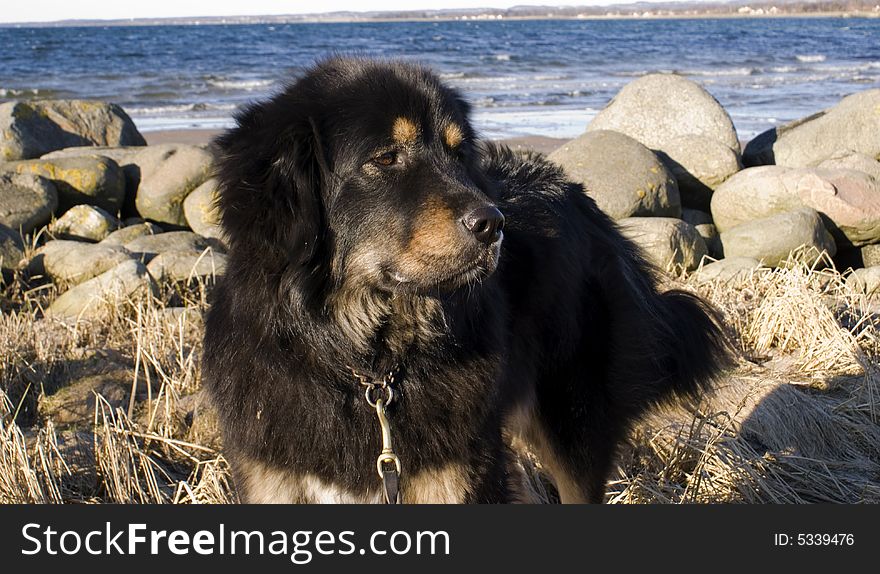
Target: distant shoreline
280, 20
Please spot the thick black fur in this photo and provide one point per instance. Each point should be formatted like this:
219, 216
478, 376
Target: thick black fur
566, 343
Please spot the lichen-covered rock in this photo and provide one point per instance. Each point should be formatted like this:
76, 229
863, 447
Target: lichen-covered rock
169, 173
84, 223
200, 209
670, 244
93, 180
26, 201
624, 177
11, 249
33, 128
773, 239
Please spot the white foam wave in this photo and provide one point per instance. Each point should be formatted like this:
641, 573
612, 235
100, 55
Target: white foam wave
247, 85
810, 58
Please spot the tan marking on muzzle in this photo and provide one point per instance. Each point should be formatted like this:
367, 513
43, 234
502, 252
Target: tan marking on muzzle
435, 233
453, 135
404, 131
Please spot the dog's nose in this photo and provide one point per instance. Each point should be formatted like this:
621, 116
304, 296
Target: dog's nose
485, 223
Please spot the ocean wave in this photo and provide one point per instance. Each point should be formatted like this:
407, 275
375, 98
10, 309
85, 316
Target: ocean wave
247, 85
177, 109
722, 72
810, 58
16, 92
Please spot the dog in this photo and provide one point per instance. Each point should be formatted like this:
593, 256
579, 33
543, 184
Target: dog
403, 300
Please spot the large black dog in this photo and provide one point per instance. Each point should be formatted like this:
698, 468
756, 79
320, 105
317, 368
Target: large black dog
377, 247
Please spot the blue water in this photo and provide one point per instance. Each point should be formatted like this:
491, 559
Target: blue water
524, 77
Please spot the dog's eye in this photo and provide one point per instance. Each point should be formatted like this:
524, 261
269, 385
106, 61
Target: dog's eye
386, 159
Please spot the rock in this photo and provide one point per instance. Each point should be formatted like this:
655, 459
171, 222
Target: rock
658, 108
75, 402
855, 161
695, 216
871, 255
771, 240
148, 246
200, 210
26, 201
710, 235
84, 223
624, 177
72, 262
168, 174
185, 266
124, 157
865, 280
99, 296
31, 129
849, 200
131, 232
670, 244
11, 249
700, 164
852, 125
729, 270
91, 180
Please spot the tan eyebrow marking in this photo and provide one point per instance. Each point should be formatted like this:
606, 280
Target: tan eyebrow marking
404, 130
453, 135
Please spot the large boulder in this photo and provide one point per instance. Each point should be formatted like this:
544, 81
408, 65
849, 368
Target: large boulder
200, 209
771, 240
670, 244
168, 174
26, 201
99, 296
658, 108
149, 246
700, 164
855, 161
849, 200
92, 180
11, 249
72, 262
852, 125
84, 223
624, 177
34, 128
185, 266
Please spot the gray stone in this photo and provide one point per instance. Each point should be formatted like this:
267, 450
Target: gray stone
131, 232
871, 255
771, 240
200, 210
658, 108
729, 270
31, 129
75, 402
11, 249
168, 174
91, 180
710, 235
849, 200
148, 246
185, 266
99, 296
624, 177
699, 164
72, 262
695, 216
855, 161
84, 223
670, 244
26, 201
865, 280
850, 126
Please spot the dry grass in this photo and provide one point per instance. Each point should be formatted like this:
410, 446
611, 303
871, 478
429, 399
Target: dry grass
796, 421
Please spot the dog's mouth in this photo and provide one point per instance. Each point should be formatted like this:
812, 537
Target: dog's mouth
471, 273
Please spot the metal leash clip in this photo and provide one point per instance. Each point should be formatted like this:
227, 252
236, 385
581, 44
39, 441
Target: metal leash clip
379, 395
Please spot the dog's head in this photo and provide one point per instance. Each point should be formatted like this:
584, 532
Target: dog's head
363, 173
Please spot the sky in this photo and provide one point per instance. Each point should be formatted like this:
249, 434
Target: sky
50, 10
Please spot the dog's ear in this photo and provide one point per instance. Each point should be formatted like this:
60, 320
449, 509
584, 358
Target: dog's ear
270, 173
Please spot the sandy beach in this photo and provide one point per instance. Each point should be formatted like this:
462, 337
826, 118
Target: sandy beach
203, 136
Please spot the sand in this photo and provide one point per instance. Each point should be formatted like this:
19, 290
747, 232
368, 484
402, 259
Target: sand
202, 136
